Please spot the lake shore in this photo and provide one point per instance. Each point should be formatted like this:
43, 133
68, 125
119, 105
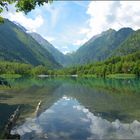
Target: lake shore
114, 76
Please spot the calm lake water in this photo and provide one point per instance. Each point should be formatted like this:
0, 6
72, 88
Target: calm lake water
73, 108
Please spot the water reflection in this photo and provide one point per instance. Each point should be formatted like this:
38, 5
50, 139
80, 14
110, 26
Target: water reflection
68, 119
74, 108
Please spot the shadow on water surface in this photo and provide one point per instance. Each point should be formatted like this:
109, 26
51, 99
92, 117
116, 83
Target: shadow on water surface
5, 112
4, 82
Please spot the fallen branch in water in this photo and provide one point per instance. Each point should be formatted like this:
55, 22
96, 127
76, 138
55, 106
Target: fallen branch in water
37, 108
11, 122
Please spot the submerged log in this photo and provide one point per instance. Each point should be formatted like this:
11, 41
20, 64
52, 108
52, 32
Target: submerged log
3, 82
11, 122
37, 108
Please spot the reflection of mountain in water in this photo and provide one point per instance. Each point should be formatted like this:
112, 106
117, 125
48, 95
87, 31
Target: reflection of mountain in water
67, 119
110, 98
26, 93
107, 100
110, 105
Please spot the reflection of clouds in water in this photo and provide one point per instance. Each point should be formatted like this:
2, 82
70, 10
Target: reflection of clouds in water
101, 128
66, 98
84, 120
32, 125
49, 111
64, 101
98, 127
78, 107
29, 126
105, 129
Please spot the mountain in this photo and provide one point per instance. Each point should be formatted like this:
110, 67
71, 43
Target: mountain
130, 45
59, 57
101, 47
17, 45
20, 26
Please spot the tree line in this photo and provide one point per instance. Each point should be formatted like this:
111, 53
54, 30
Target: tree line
21, 68
129, 64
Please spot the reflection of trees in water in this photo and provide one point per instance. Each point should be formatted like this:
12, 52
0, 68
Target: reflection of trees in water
29, 92
105, 101
75, 121
115, 85
108, 97
4, 82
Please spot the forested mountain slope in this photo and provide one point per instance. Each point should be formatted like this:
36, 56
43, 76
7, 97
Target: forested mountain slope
17, 45
101, 47
59, 56
130, 45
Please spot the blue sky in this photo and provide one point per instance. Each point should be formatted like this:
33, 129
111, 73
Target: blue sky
69, 24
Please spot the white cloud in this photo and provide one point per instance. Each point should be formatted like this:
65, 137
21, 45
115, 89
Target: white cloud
111, 14
60, 28
65, 52
80, 42
54, 13
84, 31
31, 24
28, 23
49, 38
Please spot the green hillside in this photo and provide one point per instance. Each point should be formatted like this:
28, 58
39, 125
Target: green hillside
101, 47
17, 45
130, 45
59, 57
128, 66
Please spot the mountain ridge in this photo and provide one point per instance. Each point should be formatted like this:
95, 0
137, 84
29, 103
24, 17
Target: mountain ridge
38, 50
130, 45
17, 45
59, 56
101, 47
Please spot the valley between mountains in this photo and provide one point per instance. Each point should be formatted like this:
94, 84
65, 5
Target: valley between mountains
111, 52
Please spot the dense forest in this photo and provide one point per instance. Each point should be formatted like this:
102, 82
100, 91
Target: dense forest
129, 64
21, 68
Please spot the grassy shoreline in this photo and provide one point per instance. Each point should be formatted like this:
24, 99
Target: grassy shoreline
112, 76
121, 76
10, 76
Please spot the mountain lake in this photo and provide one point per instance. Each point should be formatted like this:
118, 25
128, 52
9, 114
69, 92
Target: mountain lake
72, 108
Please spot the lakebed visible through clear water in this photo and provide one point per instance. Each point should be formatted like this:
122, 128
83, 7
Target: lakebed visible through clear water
73, 108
